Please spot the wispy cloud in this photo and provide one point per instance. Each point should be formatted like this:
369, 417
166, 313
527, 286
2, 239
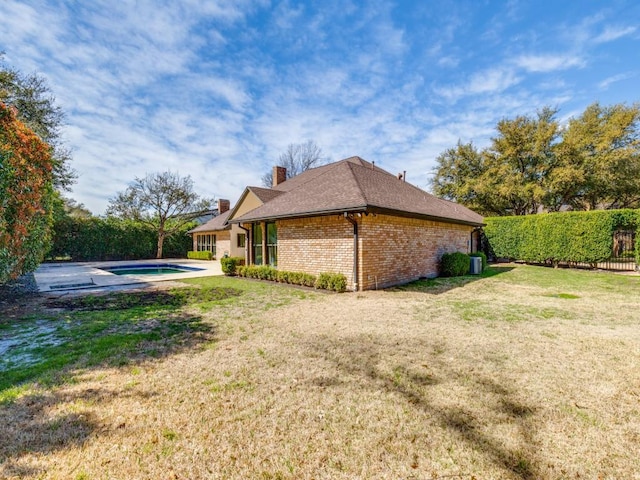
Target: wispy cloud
607, 82
612, 33
548, 62
489, 81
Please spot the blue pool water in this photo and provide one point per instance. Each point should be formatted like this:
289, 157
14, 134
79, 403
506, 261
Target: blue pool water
150, 269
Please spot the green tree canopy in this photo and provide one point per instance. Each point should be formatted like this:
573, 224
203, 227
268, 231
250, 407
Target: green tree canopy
533, 163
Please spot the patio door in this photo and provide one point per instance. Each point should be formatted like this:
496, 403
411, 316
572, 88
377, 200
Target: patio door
256, 243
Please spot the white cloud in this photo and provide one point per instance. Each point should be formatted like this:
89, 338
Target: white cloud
607, 82
489, 81
611, 33
548, 62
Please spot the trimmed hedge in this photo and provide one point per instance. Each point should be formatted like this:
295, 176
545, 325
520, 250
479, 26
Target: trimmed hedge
454, 264
101, 239
332, 281
574, 237
230, 264
206, 255
328, 281
482, 256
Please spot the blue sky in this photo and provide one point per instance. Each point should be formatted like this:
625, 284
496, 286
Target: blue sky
218, 89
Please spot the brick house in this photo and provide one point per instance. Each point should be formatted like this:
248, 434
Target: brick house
219, 237
353, 218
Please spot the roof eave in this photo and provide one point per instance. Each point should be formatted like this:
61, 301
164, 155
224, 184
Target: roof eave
316, 213
361, 209
227, 226
423, 216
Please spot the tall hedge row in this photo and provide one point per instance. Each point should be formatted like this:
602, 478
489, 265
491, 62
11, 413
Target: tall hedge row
560, 237
99, 239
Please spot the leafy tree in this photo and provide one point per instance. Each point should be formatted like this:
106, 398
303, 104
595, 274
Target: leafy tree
297, 158
532, 163
509, 176
598, 160
518, 162
458, 175
165, 201
26, 193
36, 107
68, 207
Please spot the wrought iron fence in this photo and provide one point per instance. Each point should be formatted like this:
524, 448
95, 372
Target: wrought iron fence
624, 252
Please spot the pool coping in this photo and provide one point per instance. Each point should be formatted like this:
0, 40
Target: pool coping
67, 277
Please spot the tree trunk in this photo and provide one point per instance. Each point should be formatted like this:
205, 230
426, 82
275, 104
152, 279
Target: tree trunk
160, 242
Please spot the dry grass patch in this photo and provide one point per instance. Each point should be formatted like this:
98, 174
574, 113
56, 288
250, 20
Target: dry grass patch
498, 377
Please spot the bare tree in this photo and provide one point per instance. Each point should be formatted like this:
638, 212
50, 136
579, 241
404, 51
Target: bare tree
297, 158
165, 201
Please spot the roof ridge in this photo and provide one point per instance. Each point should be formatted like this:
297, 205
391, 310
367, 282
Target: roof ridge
355, 178
328, 166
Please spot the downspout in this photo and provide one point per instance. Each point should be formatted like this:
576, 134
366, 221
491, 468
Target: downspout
477, 230
247, 255
355, 250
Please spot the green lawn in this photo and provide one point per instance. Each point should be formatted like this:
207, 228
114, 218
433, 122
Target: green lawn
521, 373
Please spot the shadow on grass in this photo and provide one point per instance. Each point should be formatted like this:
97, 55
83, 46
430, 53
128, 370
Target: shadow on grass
114, 329
28, 427
360, 358
64, 337
438, 285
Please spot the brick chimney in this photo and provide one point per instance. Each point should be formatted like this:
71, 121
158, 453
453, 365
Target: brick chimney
279, 175
223, 205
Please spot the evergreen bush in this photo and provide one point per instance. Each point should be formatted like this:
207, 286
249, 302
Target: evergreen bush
327, 281
230, 264
580, 237
454, 264
101, 239
206, 255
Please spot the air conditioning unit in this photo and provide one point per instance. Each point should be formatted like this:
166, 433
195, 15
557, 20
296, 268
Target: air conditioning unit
476, 266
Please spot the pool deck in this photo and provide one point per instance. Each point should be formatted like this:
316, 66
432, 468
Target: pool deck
88, 276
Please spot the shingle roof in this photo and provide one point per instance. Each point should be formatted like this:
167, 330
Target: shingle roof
264, 194
216, 223
354, 184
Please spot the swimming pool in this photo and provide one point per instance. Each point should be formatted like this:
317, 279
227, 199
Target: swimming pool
150, 269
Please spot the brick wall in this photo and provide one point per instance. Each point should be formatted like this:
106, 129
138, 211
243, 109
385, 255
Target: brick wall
316, 245
223, 241
395, 250
392, 250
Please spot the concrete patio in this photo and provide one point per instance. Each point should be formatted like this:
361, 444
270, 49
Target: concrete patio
62, 278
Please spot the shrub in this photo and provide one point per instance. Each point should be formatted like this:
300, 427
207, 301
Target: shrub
306, 279
454, 264
100, 239
332, 281
327, 281
338, 282
26, 197
200, 256
581, 237
230, 264
482, 256
323, 281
